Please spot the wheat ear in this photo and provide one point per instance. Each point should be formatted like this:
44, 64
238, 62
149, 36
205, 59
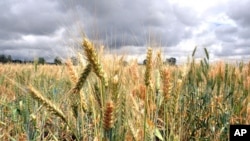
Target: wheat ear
82, 79
78, 97
148, 67
90, 52
166, 84
48, 104
108, 118
71, 71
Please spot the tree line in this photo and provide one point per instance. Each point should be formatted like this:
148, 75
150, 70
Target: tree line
8, 59
57, 61
169, 61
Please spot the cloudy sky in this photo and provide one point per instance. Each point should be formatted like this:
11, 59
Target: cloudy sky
50, 28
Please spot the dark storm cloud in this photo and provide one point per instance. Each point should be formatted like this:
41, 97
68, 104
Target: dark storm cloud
30, 25
29, 17
172, 24
133, 21
117, 23
48, 27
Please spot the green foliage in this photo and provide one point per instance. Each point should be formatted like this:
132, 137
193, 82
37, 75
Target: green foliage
57, 61
41, 60
4, 59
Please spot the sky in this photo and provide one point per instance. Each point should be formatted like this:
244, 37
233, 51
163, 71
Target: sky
50, 28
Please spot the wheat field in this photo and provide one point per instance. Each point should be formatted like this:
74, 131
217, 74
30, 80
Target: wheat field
105, 100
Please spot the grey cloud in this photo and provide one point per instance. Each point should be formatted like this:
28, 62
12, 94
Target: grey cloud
186, 16
120, 23
244, 32
230, 51
29, 17
233, 33
235, 39
225, 29
116, 24
138, 20
226, 33
237, 48
239, 11
39, 19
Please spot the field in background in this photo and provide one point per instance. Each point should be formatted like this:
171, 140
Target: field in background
107, 100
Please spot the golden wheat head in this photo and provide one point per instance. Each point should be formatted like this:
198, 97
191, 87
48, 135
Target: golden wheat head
71, 71
148, 67
108, 118
48, 104
82, 79
90, 52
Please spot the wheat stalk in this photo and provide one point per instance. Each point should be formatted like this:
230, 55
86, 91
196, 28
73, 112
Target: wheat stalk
48, 104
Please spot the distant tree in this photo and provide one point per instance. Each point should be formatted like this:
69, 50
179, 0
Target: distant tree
41, 60
3, 58
9, 58
57, 61
145, 62
28, 61
74, 61
17, 61
171, 61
